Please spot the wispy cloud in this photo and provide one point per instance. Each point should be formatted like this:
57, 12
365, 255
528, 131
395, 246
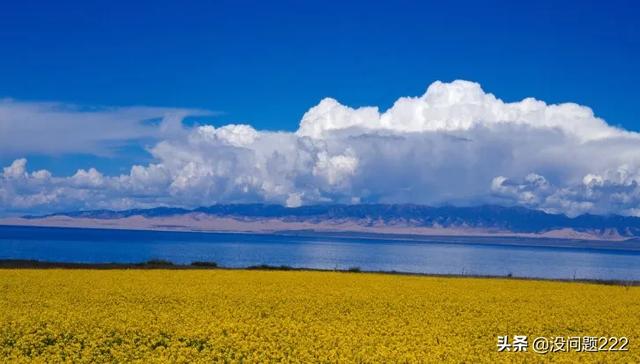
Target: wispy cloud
57, 128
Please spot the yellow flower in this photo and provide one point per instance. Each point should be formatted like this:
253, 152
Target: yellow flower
235, 316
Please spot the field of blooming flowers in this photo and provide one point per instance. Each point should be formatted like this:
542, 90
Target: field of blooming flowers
95, 316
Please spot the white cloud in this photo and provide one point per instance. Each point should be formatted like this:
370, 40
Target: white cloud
456, 144
236, 135
335, 169
456, 106
87, 179
17, 169
57, 128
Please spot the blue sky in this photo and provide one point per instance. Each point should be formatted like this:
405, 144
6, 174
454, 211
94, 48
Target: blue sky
267, 63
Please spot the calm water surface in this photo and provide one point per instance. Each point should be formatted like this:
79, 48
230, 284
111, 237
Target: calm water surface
242, 250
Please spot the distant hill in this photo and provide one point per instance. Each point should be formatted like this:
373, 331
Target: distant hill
393, 218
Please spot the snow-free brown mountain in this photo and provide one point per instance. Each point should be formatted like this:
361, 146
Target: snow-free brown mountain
486, 220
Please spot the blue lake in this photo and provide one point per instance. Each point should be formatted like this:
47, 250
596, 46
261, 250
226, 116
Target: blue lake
323, 252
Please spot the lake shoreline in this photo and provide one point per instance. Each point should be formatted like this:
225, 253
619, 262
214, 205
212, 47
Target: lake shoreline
28, 264
631, 245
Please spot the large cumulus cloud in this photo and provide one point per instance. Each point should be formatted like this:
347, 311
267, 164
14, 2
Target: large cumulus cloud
456, 144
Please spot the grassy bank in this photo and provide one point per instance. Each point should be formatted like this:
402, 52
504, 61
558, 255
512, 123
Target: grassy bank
256, 316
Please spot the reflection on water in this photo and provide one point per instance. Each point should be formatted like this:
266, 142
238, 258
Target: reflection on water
241, 250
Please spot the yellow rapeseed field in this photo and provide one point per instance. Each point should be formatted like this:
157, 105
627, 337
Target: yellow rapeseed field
146, 316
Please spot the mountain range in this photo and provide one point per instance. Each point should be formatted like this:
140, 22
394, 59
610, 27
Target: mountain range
485, 220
